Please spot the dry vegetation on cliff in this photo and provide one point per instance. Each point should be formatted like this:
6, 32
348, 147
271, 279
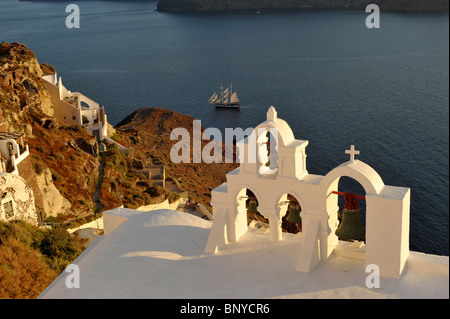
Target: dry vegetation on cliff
31, 258
148, 132
71, 154
122, 185
65, 151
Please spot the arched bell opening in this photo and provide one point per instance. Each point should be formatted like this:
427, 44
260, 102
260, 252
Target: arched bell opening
352, 209
251, 206
272, 150
267, 158
290, 209
246, 210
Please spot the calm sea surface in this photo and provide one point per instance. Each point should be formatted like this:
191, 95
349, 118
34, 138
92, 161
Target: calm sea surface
335, 81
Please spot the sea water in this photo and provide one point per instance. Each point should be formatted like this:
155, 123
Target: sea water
335, 81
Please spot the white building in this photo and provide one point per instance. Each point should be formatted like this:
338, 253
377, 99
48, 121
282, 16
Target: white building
16, 199
75, 108
13, 150
387, 210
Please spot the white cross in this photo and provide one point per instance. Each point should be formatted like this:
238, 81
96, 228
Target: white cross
352, 153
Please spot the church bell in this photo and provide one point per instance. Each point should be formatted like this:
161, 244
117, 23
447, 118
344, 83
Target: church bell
294, 215
351, 227
252, 207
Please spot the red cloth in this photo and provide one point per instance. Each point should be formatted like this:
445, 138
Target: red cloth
351, 201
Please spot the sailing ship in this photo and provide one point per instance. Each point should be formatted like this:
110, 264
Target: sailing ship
225, 98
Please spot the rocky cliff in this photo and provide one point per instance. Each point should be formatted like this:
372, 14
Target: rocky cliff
60, 168
21, 83
148, 130
64, 162
229, 5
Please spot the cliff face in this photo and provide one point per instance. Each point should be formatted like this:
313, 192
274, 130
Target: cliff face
61, 171
229, 5
21, 83
148, 132
63, 165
